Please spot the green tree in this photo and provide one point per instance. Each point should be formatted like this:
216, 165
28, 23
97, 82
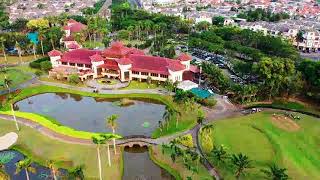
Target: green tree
26, 165
52, 166
77, 173
275, 173
98, 141
218, 20
219, 153
46, 66
74, 79
241, 163
112, 123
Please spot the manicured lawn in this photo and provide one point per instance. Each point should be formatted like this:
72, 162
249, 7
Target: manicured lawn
24, 68
52, 125
17, 76
140, 85
177, 169
290, 105
42, 148
265, 142
16, 59
47, 79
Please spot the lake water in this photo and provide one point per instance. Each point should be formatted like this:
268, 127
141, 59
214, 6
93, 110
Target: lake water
89, 114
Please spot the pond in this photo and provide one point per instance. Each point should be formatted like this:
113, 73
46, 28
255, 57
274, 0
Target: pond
41, 173
89, 114
138, 165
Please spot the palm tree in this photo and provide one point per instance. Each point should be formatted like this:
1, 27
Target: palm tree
41, 38
112, 123
275, 173
220, 153
77, 173
19, 49
26, 165
2, 40
241, 162
107, 138
14, 118
207, 129
98, 141
51, 165
7, 83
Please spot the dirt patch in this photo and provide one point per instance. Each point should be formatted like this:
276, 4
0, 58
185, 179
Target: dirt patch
285, 123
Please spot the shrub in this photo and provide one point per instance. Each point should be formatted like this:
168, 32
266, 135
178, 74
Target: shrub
74, 79
36, 64
38, 73
209, 102
46, 66
186, 140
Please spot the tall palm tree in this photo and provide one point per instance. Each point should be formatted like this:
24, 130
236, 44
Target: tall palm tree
19, 49
112, 123
26, 165
14, 118
241, 162
275, 173
98, 141
207, 129
51, 165
41, 38
77, 173
107, 138
2, 40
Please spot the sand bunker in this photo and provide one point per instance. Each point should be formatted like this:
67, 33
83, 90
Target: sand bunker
8, 140
285, 123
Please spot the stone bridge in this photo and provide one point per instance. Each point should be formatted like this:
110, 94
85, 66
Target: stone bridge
136, 141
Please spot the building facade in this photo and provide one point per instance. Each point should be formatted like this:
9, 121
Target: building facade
121, 62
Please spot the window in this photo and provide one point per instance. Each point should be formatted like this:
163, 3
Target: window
88, 66
72, 64
145, 73
80, 65
64, 63
163, 76
135, 72
154, 74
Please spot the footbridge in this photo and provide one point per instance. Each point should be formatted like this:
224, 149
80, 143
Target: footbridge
140, 141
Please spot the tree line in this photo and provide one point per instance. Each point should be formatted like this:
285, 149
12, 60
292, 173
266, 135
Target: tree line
263, 15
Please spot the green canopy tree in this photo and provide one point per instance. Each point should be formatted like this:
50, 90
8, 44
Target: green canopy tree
25, 165
112, 123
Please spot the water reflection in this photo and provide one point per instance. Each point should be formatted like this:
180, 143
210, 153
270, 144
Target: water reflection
139, 166
89, 114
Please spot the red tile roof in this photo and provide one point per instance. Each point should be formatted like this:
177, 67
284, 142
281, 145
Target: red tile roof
69, 38
81, 56
184, 57
54, 53
110, 64
194, 69
74, 26
97, 57
124, 61
153, 64
73, 46
118, 50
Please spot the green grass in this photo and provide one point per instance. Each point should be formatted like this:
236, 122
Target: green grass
53, 126
177, 169
24, 68
16, 59
15, 75
42, 148
48, 79
264, 143
93, 45
140, 85
290, 105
